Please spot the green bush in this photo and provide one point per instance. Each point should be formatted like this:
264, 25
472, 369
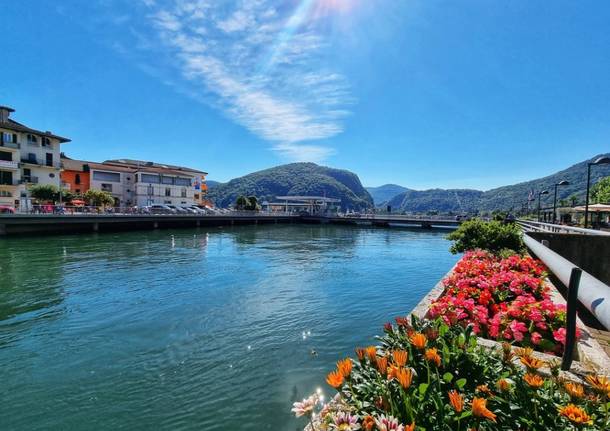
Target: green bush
494, 236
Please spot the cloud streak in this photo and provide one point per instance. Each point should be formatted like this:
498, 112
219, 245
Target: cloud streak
259, 63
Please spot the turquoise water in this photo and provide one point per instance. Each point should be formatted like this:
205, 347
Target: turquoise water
195, 329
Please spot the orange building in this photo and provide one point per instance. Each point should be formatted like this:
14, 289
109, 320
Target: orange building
75, 175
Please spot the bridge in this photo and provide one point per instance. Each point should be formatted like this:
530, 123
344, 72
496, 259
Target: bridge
385, 220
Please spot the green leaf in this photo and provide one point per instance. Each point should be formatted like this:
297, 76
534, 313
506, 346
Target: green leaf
423, 388
460, 383
448, 377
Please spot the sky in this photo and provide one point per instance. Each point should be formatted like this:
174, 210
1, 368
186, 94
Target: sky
425, 94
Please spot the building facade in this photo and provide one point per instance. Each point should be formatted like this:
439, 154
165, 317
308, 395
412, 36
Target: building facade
75, 175
27, 157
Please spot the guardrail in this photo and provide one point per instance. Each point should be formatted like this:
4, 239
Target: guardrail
534, 226
593, 293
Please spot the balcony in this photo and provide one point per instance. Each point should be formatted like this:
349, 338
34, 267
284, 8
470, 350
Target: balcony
33, 161
28, 180
11, 145
7, 164
12, 183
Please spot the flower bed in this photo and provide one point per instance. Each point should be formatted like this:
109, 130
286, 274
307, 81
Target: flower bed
504, 299
427, 375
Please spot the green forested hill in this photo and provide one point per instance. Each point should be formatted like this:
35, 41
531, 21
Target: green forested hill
295, 179
382, 194
502, 198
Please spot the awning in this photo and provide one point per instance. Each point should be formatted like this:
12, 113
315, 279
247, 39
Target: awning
78, 202
595, 208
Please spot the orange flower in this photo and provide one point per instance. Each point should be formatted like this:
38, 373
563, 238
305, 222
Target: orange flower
457, 401
371, 351
368, 423
575, 414
479, 409
404, 377
524, 352
574, 389
507, 353
419, 340
531, 363
410, 427
360, 352
400, 357
382, 365
533, 380
393, 372
335, 379
503, 385
432, 356
345, 367
484, 389
601, 384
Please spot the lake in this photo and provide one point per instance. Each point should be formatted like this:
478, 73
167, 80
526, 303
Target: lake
202, 329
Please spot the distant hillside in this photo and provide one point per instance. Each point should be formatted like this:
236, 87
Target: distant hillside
212, 183
503, 198
382, 194
295, 179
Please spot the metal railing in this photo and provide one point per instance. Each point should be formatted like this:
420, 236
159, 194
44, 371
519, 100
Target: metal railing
13, 145
8, 164
535, 226
28, 180
32, 161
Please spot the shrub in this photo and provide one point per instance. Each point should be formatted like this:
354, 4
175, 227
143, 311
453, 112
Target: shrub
426, 375
494, 236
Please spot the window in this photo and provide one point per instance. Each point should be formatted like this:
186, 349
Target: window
32, 140
196, 197
167, 180
168, 191
46, 142
49, 159
9, 137
6, 178
150, 179
31, 158
107, 188
167, 202
51, 175
5, 194
183, 182
183, 193
77, 179
114, 177
6, 156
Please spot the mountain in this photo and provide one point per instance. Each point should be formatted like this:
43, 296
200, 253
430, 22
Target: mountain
505, 198
295, 179
212, 183
383, 194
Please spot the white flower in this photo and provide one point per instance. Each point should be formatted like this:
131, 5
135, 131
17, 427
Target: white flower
345, 422
305, 407
388, 424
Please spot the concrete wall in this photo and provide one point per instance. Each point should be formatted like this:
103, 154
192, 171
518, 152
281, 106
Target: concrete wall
591, 253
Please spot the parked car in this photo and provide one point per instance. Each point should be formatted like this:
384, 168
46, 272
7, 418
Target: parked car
177, 209
198, 210
6, 210
189, 209
161, 209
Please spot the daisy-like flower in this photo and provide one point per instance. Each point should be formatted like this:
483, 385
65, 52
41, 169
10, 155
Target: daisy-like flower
457, 401
371, 351
345, 367
305, 407
524, 352
400, 357
533, 380
419, 340
484, 389
433, 356
503, 384
335, 379
345, 422
574, 389
382, 365
480, 410
388, 423
404, 377
360, 352
601, 384
531, 363
368, 423
575, 415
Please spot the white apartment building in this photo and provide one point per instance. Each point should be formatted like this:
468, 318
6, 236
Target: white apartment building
27, 156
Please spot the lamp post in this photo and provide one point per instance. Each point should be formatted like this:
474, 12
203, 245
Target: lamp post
600, 161
543, 192
560, 183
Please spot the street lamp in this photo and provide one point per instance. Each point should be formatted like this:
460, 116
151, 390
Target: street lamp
543, 192
600, 161
560, 183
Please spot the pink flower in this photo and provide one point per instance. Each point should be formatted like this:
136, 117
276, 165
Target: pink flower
536, 338
560, 335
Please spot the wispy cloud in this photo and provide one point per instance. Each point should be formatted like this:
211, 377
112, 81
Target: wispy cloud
259, 62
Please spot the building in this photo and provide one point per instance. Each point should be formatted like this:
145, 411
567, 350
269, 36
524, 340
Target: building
75, 175
27, 156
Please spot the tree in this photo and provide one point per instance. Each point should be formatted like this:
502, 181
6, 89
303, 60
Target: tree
600, 193
563, 203
252, 204
494, 236
573, 200
98, 198
44, 192
241, 203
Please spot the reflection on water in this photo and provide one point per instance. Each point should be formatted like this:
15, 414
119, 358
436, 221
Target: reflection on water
195, 329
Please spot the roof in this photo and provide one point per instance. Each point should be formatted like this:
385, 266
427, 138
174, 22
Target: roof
594, 208
308, 198
18, 127
111, 168
143, 163
73, 165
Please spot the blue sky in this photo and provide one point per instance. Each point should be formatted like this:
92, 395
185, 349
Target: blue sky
472, 94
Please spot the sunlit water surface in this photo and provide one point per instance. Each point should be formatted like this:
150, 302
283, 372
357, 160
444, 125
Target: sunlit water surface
207, 329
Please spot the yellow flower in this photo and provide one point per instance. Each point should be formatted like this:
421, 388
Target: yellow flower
574, 389
400, 357
419, 340
575, 414
432, 356
533, 380
479, 409
601, 384
457, 401
531, 363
